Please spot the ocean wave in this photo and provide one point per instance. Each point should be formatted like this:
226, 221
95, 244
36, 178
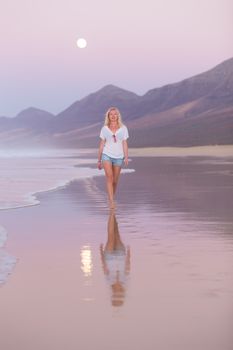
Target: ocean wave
3, 236
7, 262
21, 177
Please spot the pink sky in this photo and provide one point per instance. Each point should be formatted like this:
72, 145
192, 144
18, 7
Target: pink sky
134, 45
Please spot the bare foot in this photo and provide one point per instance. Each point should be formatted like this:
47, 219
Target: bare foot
112, 205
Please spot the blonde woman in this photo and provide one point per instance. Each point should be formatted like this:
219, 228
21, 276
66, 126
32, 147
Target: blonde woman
113, 150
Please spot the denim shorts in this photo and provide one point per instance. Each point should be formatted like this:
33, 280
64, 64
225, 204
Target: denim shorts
114, 161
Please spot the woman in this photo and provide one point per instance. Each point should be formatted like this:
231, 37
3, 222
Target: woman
113, 150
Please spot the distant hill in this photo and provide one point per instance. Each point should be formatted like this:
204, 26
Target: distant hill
92, 108
195, 111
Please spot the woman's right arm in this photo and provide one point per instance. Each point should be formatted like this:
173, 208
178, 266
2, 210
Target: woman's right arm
101, 147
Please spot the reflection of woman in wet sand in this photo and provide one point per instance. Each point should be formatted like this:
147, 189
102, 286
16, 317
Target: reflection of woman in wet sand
116, 261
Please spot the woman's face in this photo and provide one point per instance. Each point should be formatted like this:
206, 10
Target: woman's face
113, 116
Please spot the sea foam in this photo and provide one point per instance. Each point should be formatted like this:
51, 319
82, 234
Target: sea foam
23, 175
7, 262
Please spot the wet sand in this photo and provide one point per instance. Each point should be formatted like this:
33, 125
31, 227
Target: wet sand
194, 151
172, 284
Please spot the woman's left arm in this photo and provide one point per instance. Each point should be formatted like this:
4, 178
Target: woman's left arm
125, 150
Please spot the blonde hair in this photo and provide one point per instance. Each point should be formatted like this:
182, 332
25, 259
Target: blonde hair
119, 120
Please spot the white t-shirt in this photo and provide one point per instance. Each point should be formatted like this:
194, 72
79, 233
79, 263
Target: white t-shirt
111, 148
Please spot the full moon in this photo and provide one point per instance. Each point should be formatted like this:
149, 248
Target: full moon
81, 43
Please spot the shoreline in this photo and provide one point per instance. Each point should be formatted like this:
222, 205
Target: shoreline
38, 175
32, 197
83, 162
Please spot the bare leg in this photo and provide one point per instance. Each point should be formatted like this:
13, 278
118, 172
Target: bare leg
116, 174
108, 168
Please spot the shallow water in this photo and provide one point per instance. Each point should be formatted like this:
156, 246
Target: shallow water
154, 274
23, 176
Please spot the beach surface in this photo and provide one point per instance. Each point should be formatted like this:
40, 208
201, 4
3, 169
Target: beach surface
195, 151
167, 286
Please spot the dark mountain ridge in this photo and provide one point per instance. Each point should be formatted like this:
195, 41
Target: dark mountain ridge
91, 109
194, 111
210, 83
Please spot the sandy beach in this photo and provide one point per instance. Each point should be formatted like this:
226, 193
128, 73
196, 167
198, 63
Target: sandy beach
169, 285
195, 151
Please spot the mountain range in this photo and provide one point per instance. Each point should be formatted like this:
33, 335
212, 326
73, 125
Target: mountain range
194, 111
